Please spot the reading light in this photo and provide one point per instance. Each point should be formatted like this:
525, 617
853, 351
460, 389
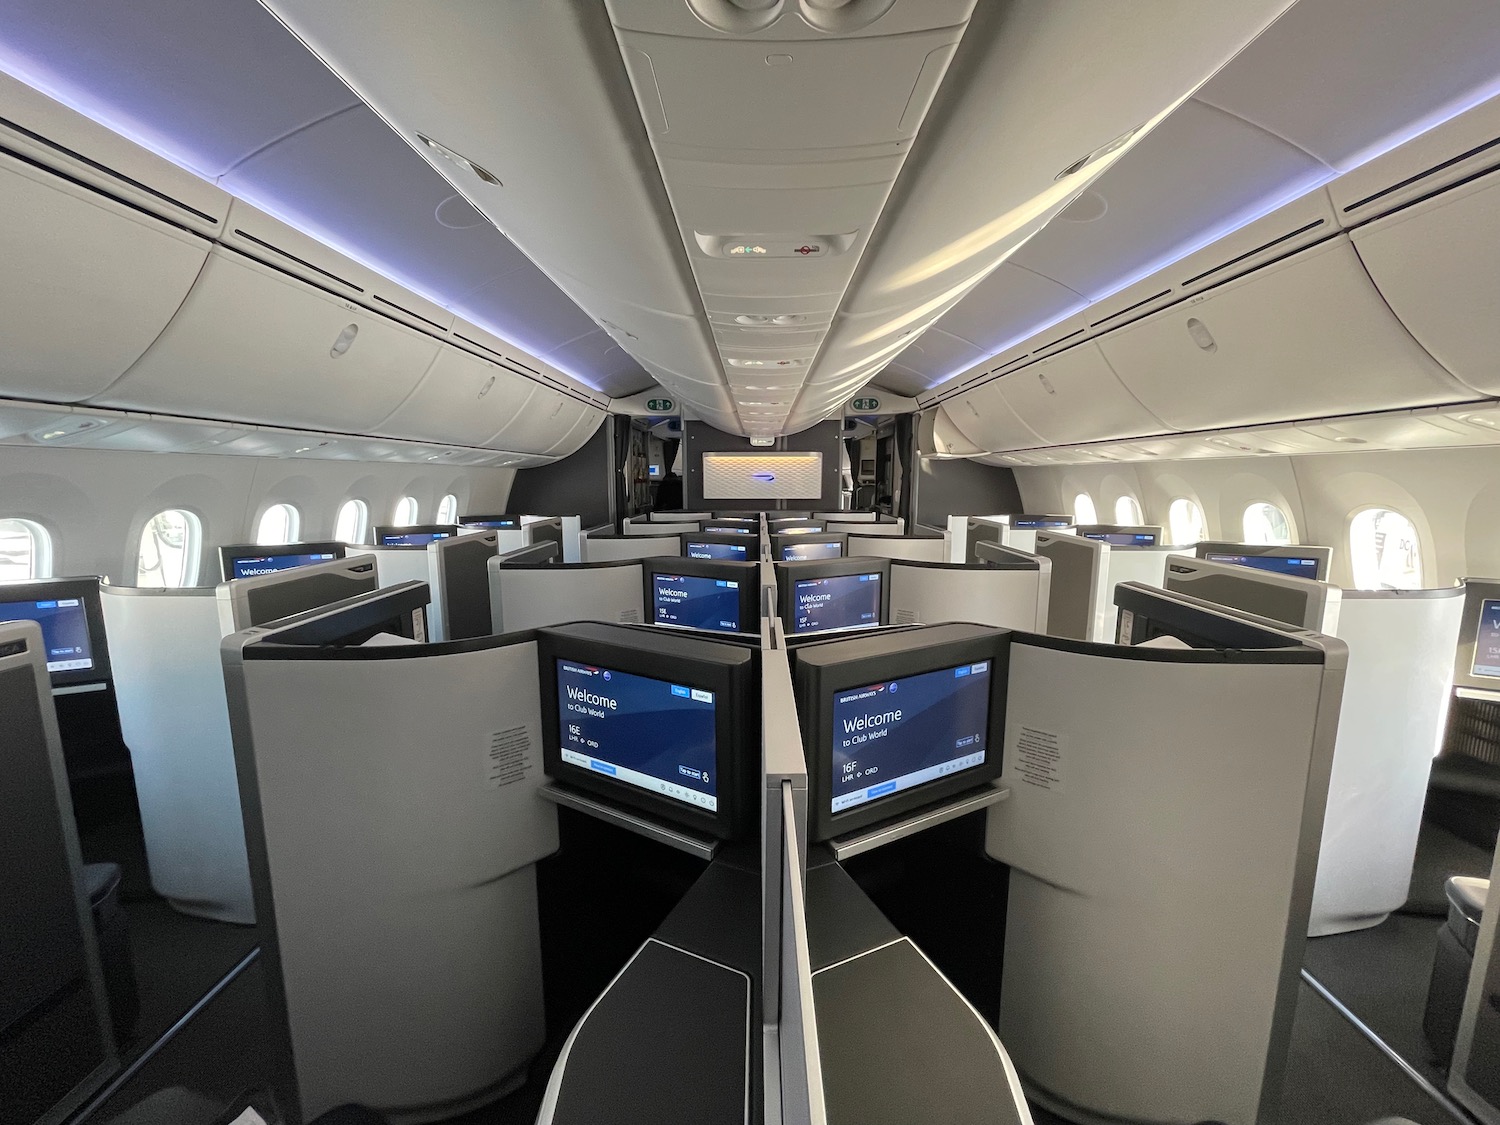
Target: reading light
462, 161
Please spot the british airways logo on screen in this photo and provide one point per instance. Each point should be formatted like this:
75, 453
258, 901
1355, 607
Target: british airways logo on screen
763, 476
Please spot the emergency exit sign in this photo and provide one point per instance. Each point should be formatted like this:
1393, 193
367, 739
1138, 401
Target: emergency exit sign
866, 404
659, 405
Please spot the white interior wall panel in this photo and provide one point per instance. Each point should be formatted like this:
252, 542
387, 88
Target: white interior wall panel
87, 284
1435, 265
1303, 338
1075, 396
251, 344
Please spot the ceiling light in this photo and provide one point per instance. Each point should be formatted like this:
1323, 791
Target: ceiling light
1099, 153
462, 161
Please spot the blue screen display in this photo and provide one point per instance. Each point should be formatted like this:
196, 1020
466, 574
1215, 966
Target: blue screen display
1124, 538
1487, 643
411, 538
251, 566
845, 601
899, 734
734, 552
804, 552
1301, 567
724, 529
813, 529
691, 601
1040, 521
653, 734
501, 524
65, 630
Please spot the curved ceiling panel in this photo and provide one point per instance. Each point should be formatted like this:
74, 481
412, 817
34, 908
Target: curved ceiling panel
1001, 308
1345, 79
206, 84
1201, 170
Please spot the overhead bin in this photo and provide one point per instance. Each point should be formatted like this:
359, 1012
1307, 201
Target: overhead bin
1075, 396
986, 419
1434, 263
1302, 338
462, 399
252, 344
545, 424
87, 284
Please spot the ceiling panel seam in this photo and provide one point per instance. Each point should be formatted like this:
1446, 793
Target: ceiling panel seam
1258, 127
253, 153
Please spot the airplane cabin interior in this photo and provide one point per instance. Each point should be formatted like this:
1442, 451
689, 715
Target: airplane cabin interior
763, 562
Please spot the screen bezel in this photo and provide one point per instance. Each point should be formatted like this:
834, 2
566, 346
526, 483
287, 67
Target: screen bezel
728, 670
1095, 530
415, 529
751, 545
788, 574
745, 573
820, 672
1037, 521
228, 554
1323, 555
779, 542
1474, 672
86, 589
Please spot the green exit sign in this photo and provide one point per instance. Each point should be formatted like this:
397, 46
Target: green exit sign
659, 405
866, 404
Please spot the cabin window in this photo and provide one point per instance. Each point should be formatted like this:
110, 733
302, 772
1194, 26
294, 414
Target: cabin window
1267, 525
1083, 509
1185, 522
406, 511
25, 551
279, 524
1384, 550
1128, 511
448, 509
171, 543
353, 522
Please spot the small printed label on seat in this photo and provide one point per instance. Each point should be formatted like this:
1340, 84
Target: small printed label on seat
1037, 758
507, 758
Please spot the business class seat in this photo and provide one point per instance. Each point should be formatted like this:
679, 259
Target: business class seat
1464, 788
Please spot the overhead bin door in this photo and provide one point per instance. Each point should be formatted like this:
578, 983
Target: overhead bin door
1435, 265
1073, 397
462, 399
1304, 338
543, 424
255, 345
85, 284
983, 416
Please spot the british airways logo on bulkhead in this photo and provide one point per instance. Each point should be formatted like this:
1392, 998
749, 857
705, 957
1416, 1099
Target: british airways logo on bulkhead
763, 476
